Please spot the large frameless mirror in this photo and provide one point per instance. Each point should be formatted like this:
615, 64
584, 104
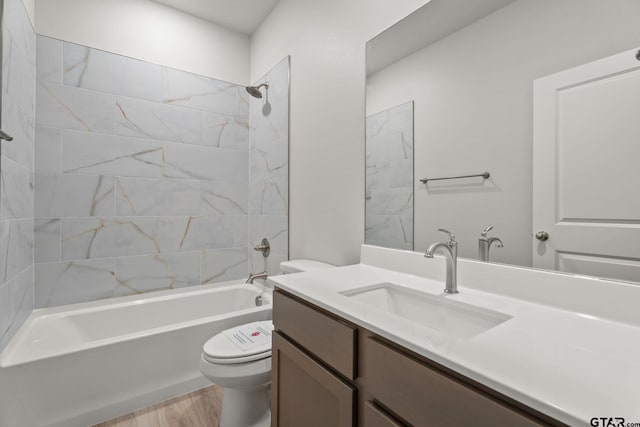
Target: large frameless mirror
478, 75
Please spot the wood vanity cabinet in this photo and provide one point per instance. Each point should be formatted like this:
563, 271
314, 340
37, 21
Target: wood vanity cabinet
312, 367
328, 372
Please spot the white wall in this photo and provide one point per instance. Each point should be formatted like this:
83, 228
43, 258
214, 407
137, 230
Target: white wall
326, 40
149, 31
473, 110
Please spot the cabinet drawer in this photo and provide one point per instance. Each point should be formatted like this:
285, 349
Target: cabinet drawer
374, 417
327, 338
425, 396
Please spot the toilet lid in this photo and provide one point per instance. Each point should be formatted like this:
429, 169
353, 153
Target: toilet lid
243, 343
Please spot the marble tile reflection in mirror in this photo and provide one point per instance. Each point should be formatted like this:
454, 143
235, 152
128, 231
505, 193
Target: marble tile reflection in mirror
389, 178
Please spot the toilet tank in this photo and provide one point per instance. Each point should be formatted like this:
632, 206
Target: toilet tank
301, 265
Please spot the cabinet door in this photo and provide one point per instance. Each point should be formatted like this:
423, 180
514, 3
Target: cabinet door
305, 393
375, 417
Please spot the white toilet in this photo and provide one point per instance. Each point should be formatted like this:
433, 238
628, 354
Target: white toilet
243, 366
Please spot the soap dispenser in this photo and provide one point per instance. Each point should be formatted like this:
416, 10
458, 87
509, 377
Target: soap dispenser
484, 244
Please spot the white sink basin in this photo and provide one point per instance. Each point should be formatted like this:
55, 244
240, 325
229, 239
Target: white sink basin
437, 312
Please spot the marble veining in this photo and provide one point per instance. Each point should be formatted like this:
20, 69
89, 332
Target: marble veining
64, 107
390, 231
198, 92
198, 162
69, 195
21, 126
49, 54
269, 170
157, 196
224, 197
74, 281
98, 154
225, 131
274, 228
47, 239
395, 201
209, 232
157, 121
16, 303
389, 178
84, 238
18, 27
49, 147
219, 265
136, 275
19, 75
16, 169
151, 178
102, 71
17, 247
270, 162
16, 190
269, 196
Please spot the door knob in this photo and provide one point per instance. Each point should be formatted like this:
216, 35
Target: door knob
543, 236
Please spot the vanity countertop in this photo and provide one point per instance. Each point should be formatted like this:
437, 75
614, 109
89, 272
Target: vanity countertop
570, 365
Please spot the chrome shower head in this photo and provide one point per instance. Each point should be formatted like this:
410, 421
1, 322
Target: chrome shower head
255, 90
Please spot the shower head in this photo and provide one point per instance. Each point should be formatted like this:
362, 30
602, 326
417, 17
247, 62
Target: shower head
255, 90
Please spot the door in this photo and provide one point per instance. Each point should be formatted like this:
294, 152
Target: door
586, 169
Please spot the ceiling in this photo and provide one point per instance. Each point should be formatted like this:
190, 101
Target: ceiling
239, 15
430, 23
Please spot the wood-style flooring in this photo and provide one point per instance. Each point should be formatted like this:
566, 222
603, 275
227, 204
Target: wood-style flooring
198, 409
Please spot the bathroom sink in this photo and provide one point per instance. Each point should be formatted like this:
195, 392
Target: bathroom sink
436, 312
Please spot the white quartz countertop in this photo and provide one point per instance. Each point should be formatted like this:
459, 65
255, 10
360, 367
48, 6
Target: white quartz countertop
568, 365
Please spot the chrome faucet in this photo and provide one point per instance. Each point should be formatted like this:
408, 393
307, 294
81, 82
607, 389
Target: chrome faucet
484, 244
253, 277
450, 250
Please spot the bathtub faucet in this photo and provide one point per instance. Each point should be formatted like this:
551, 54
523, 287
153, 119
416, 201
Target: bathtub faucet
253, 277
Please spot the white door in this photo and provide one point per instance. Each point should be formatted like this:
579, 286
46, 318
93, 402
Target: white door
586, 169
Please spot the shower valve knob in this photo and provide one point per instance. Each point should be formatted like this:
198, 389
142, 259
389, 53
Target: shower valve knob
263, 247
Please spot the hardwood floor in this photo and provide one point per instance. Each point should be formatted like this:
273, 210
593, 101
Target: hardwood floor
198, 409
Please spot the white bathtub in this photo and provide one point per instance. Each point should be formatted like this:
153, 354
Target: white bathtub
86, 363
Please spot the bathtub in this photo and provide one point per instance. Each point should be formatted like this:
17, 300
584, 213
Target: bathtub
86, 363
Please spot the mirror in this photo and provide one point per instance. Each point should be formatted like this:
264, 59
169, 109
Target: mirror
470, 68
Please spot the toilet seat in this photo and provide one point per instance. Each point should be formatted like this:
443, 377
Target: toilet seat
225, 350
236, 360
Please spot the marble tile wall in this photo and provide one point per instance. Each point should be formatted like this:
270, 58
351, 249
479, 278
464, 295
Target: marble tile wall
269, 170
142, 176
389, 178
16, 170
